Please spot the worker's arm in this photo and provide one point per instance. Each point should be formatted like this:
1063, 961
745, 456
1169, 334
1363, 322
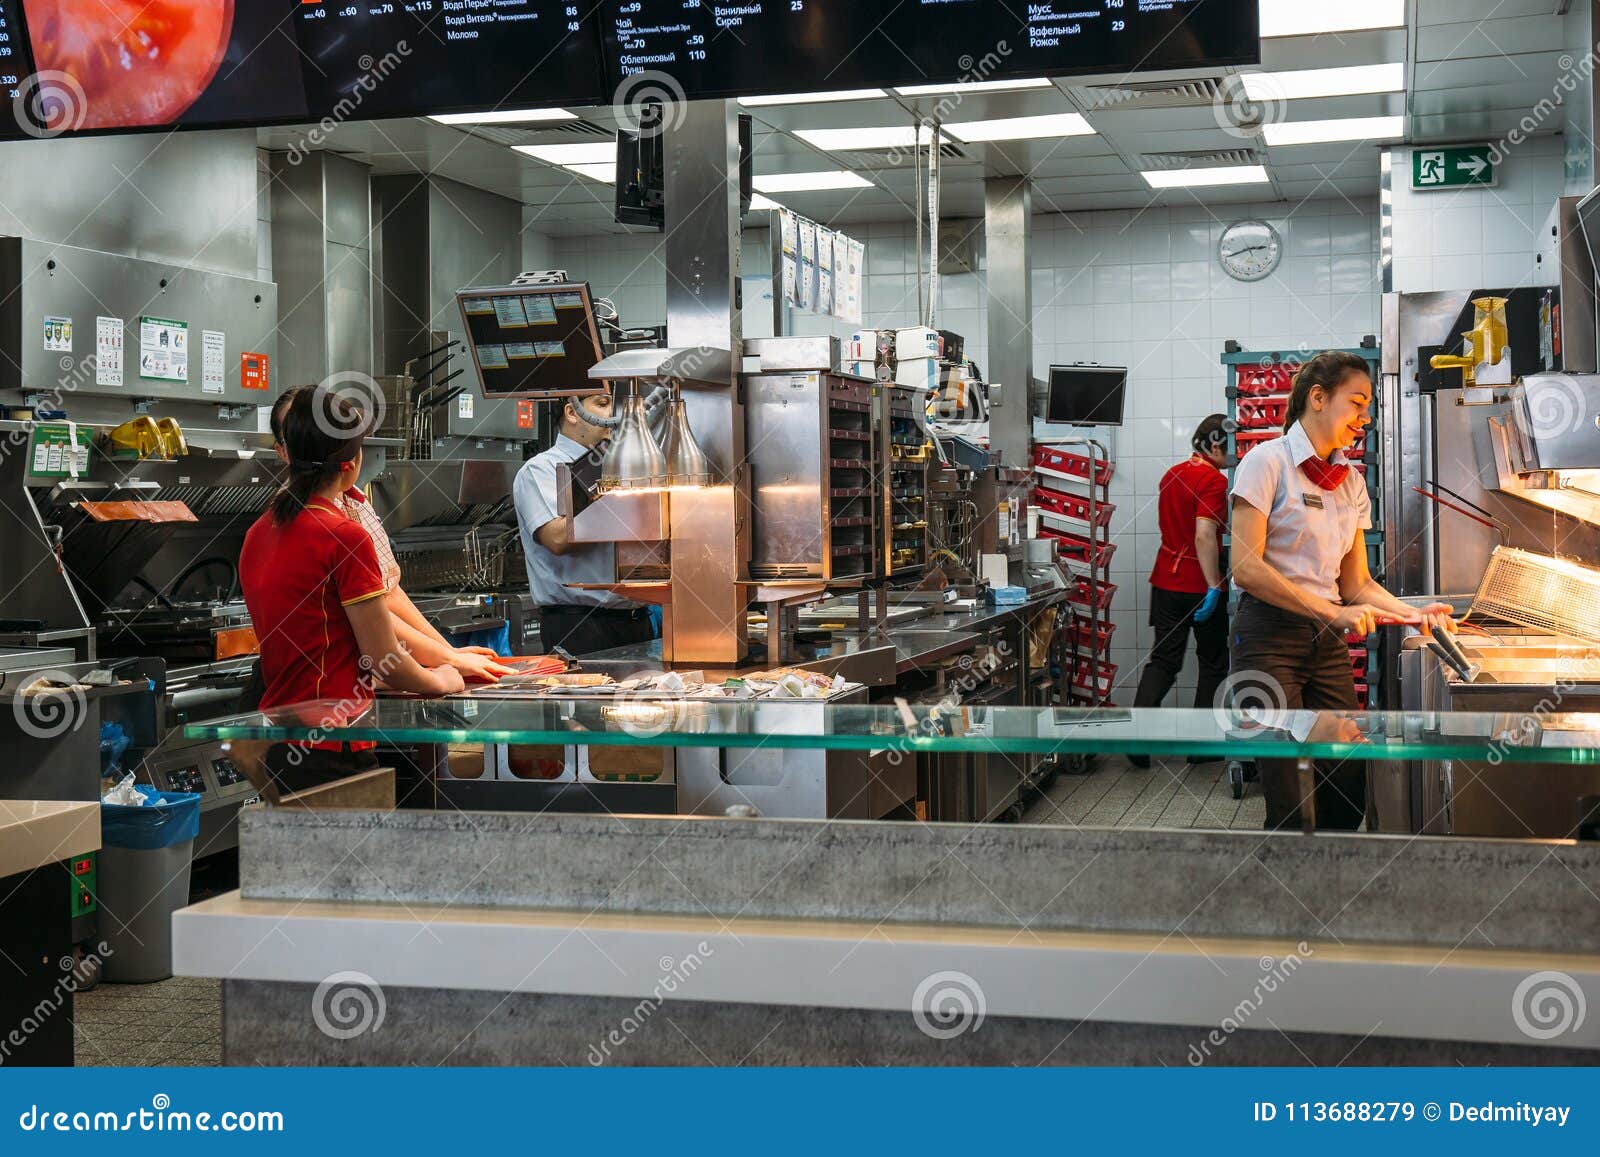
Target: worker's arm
389, 662
1208, 548
1356, 585
403, 609
1254, 574
431, 648
553, 536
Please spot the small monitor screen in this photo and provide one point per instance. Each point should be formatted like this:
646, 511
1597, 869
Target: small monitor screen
532, 341
1086, 395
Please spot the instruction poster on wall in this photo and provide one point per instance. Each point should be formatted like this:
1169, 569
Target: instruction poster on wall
58, 334
163, 349
213, 346
108, 351
819, 270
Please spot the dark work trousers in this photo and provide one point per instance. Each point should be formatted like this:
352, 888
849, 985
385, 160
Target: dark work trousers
1311, 663
298, 766
584, 630
1172, 616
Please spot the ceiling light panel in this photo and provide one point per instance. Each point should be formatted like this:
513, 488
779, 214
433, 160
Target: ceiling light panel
1201, 178
975, 86
1068, 124
861, 140
1315, 82
595, 153
812, 97
1307, 18
811, 182
1346, 129
507, 116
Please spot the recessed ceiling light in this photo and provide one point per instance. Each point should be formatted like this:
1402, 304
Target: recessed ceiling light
587, 154
506, 116
606, 172
1346, 129
1313, 82
1197, 178
1304, 18
1066, 124
810, 182
859, 140
757, 201
975, 86
812, 97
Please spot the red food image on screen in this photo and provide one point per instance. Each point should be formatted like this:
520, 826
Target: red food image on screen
139, 62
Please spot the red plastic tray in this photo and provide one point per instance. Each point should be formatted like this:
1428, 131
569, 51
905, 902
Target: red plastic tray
1069, 463
1255, 381
1098, 639
1246, 440
1262, 413
1080, 550
1071, 506
1080, 594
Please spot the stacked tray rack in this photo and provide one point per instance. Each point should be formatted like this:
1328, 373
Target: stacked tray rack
1070, 495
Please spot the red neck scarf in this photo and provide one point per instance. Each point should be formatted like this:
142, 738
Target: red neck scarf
1328, 475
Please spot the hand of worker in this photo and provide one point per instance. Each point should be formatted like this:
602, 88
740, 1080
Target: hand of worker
449, 679
1436, 617
1356, 619
470, 662
487, 652
1208, 605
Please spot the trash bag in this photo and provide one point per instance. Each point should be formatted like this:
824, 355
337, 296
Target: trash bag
167, 818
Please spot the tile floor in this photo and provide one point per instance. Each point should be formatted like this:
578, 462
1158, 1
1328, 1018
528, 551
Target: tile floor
170, 1022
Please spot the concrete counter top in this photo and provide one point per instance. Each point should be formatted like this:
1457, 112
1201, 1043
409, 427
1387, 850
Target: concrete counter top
34, 833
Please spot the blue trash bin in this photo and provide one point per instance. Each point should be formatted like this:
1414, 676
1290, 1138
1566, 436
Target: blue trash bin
143, 879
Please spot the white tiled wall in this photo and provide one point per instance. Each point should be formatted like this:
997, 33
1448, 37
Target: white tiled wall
1476, 238
1136, 288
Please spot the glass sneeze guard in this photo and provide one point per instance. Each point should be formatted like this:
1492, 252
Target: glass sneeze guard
1572, 738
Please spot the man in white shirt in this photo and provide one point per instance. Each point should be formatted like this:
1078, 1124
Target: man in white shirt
581, 622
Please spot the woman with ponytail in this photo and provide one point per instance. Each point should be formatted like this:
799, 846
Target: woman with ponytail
1300, 559
314, 589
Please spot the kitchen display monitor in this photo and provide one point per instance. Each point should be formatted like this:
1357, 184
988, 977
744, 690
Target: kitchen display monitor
1086, 395
778, 46
532, 341
117, 65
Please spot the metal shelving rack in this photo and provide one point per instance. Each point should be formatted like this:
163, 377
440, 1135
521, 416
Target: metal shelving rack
1071, 495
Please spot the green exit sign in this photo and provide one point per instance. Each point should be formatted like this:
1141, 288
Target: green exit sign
1452, 167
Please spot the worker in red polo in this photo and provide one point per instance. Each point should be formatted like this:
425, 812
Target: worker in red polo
1188, 590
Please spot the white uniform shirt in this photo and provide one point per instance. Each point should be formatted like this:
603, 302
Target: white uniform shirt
534, 493
1309, 529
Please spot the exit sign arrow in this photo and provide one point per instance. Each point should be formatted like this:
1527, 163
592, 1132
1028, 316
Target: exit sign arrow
1452, 166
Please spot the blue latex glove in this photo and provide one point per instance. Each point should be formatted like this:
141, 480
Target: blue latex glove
1208, 605
655, 619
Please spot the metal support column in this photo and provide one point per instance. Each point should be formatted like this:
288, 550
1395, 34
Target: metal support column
710, 526
1007, 209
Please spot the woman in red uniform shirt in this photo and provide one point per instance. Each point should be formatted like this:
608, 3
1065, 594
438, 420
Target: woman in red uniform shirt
314, 590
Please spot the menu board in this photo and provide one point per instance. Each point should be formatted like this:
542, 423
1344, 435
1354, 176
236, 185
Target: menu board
130, 64
778, 46
531, 340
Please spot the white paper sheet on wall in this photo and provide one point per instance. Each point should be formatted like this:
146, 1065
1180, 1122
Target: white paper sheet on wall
213, 349
108, 342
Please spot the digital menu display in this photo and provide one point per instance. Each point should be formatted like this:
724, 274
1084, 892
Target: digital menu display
777, 46
532, 341
109, 65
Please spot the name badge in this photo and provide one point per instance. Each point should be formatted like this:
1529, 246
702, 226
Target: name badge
1312, 500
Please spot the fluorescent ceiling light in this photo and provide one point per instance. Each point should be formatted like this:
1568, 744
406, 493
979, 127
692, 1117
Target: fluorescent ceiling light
757, 201
1312, 82
1346, 129
812, 97
1067, 124
1196, 178
1305, 18
606, 172
588, 154
810, 182
506, 117
859, 140
975, 86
